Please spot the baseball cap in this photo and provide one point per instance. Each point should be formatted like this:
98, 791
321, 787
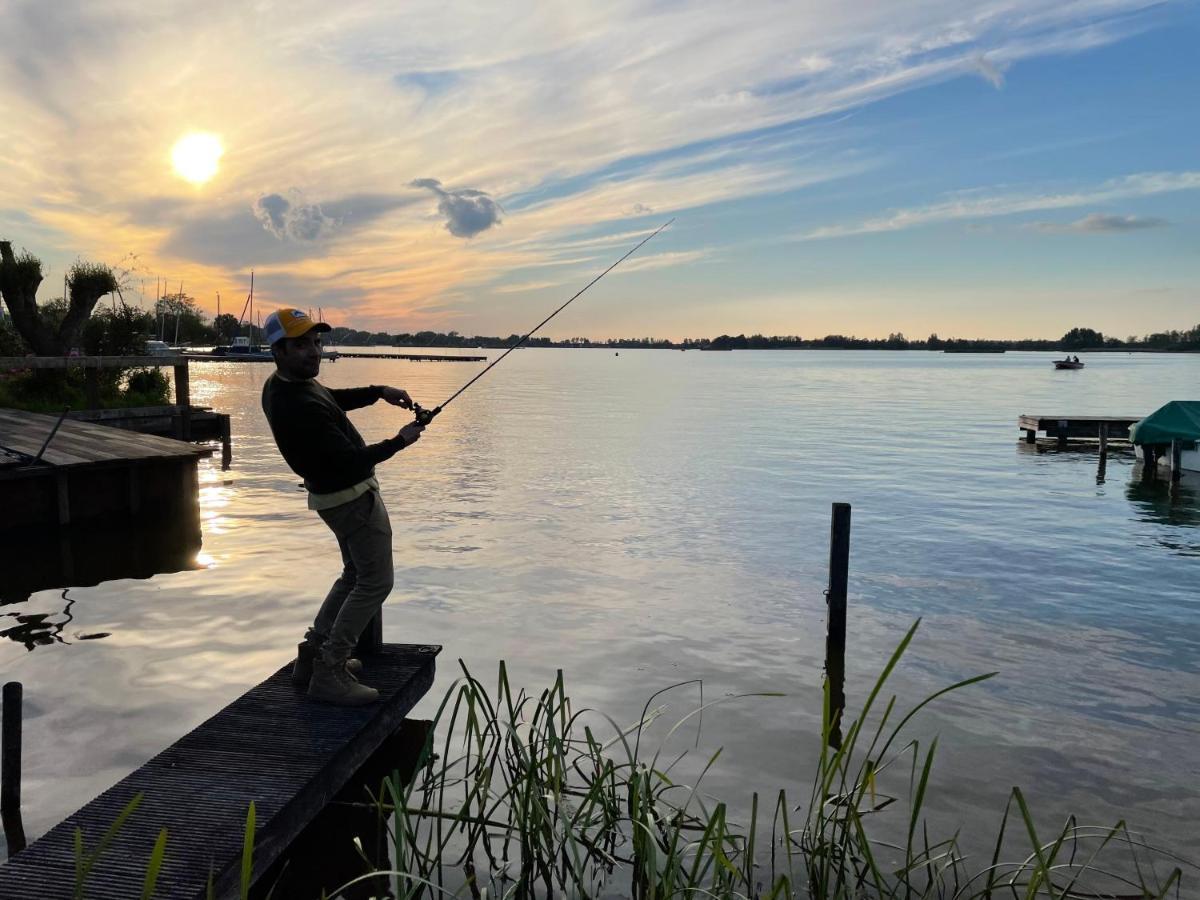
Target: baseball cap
290, 323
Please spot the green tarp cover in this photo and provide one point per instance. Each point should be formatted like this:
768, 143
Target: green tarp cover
1179, 420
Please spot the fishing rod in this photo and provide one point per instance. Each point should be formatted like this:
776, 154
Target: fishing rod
425, 416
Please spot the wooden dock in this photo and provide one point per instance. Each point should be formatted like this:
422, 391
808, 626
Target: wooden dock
418, 357
1065, 428
90, 471
288, 755
167, 421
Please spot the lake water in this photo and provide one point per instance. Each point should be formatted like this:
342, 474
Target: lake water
643, 519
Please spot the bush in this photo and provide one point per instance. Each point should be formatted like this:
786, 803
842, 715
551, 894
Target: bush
146, 387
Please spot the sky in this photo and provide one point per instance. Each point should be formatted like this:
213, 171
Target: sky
1002, 169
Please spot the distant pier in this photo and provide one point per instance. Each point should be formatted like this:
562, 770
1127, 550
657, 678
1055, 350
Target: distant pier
418, 357
1062, 429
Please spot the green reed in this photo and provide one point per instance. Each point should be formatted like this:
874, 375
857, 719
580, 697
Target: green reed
517, 796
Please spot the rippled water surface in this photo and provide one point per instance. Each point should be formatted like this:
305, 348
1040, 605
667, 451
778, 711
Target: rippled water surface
644, 519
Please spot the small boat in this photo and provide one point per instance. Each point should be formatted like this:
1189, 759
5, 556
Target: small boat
1067, 364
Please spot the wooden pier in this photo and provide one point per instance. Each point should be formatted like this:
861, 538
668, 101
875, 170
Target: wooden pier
418, 357
288, 755
89, 471
1065, 428
203, 424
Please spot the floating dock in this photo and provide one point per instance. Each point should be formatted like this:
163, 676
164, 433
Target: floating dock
90, 472
288, 755
1065, 428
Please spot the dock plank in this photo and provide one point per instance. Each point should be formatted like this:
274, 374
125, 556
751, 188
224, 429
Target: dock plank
272, 746
78, 442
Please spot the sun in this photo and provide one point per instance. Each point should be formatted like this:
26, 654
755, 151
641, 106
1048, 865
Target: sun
195, 156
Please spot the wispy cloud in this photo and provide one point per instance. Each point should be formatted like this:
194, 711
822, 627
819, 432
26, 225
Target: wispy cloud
975, 205
661, 260
1101, 223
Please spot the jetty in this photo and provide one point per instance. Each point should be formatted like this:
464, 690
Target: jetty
1067, 428
305, 766
56, 471
417, 357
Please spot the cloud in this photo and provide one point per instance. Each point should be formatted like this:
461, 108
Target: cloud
977, 204
468, 212
661, 261
989, 71
294, 221
1101, 223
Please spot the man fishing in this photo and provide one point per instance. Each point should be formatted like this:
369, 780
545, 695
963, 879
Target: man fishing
317, 440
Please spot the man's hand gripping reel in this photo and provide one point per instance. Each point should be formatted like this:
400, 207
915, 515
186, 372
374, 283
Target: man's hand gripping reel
424, 416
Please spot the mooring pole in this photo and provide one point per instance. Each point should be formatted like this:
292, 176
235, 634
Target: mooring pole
10, 769
835, 636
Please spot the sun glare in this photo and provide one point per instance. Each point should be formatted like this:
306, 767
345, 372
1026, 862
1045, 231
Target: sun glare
195, 156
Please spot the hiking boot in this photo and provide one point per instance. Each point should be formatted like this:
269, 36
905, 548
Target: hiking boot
302, 669
334, 684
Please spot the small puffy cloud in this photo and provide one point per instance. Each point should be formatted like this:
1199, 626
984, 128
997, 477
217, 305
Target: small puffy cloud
989, 71
1101, 223
467, 212
295, 221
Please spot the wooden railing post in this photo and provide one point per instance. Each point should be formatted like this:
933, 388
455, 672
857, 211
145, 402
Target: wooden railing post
835, 636
10, 769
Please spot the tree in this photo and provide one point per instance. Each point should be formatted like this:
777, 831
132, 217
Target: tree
181, 318
20, 277
1081, 339
226, 326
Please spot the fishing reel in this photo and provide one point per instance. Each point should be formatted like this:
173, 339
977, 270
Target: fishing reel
424, 416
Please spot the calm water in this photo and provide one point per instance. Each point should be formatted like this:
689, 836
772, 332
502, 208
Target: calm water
660, 516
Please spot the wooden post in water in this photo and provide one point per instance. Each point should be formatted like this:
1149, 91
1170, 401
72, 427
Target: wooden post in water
226, 444
1176, 459
10, 769
183, 400
835, 635
1100, 469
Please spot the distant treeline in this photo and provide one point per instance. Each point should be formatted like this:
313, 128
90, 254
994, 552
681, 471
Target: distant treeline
1075, 339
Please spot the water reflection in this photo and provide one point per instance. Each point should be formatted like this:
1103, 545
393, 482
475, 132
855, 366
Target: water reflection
81, 557
1174, 504
41, 629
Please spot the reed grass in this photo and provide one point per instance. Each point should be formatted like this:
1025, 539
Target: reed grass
518, 796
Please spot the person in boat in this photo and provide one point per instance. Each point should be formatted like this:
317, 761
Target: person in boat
1075, 360
319, 443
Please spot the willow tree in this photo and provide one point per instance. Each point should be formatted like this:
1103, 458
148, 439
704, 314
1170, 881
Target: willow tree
20, 277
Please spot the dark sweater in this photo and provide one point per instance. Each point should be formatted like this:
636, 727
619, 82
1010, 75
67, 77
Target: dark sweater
316, 438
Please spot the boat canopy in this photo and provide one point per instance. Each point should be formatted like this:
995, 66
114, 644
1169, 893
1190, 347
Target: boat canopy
1178, 420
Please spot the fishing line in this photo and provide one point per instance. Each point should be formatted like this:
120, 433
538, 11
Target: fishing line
425, 416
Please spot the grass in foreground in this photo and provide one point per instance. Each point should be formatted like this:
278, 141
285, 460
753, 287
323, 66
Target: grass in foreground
521, 798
